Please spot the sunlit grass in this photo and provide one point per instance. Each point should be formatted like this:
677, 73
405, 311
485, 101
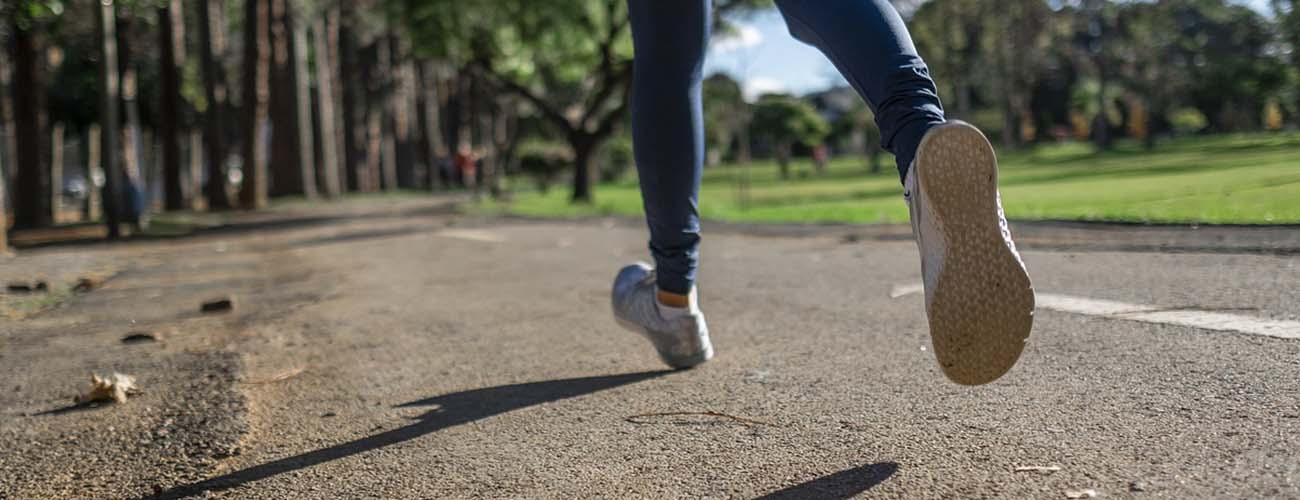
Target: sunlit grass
1246, 179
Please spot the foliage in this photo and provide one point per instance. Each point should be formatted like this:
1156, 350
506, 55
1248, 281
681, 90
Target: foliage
616, 158
785, 120
571, 61
725, 111
858, 128
1247, 179
543, 162
1188, 120
1052, 59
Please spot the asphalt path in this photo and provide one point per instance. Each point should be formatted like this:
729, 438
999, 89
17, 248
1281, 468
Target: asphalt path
413, 354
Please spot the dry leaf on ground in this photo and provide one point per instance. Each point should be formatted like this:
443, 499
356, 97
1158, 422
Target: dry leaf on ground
1087, 493
115, 387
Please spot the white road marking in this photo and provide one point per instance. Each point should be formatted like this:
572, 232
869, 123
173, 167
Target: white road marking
905, 290
472, 235
1207, 320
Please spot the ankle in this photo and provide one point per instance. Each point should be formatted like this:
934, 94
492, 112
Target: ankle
674, 300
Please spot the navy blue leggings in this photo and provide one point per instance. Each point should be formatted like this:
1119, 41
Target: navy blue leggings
865, 39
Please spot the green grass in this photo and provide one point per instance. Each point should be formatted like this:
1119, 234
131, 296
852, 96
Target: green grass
1240, 179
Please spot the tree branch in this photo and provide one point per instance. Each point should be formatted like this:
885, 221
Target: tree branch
549, 111
619, 78
610, 77
611, 119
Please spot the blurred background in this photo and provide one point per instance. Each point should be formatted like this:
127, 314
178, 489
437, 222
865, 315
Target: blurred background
131, 116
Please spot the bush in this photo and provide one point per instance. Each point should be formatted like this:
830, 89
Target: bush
1187, 121
544, 161
616, 158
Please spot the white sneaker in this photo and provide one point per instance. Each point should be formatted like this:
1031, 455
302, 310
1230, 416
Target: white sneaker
978, 297
682, 340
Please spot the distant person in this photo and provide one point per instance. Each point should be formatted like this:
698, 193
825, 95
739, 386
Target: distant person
466, 166
978, 297
821, 155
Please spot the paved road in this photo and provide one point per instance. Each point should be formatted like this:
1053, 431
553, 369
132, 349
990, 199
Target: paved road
407, 354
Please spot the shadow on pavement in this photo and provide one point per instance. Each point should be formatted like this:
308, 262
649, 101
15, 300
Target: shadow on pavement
75, 407
83, 234
842, 484
452, 409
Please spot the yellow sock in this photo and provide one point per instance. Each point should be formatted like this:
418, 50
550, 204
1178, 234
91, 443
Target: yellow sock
673, 300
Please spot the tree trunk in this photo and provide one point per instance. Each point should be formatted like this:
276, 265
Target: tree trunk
964, 93
257, 91
285, 174
133, 167
8, 142
56, 171
108, 89
1010, 123
431, 124
215, 92
302, 83
505, 141
194, 184
783, 159
584, 171
5, 165
1101, 126
4, 212
322, 35
402, 97
743, 154
94, 173
31, 202
481, 123
354, 126
385, 109
171, 43
373, 106
372, 180
1007, 82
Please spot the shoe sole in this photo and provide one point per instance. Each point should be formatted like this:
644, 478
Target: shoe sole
678, 364
981, 311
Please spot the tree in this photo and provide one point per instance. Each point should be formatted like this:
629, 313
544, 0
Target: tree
31, 201
431, 100
132, 137
1147, 51
1094, 28
105, 23
325, 36
950, 35
570, 62
257, 64
211, 48
171, 42
4, 178
726, 114
1231, 60
302, 100
288, 173
1020, 42
1287, 14
859, 126
351, 97
783, 121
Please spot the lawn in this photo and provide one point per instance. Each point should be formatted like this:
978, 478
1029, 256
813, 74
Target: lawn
1240, 179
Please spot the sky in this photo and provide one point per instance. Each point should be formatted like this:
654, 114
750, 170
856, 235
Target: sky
764, 56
